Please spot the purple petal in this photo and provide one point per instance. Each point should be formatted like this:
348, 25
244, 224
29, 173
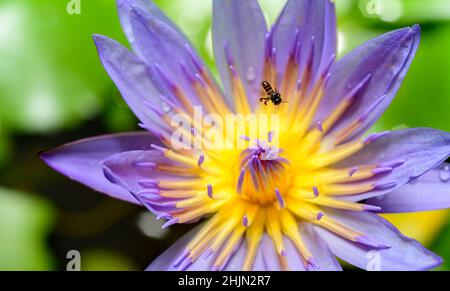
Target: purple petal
323, 258
160, 43
82, 160
125, 7
292, 256
269, 255
123, 169
386, 59
236, 262
404, 254
413, 152
242, 27
138, 88
166, 261
311, 19
430, 192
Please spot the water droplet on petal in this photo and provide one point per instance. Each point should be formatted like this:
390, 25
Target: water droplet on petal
166, 108
444, 174
250, 75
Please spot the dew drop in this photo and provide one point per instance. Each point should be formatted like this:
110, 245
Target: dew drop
444, 174
166, 108
250, 75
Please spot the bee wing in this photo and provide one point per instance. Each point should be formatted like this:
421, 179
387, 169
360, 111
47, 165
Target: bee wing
262, 92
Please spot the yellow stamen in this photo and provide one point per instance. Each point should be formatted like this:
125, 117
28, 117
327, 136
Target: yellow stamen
254, 235
335, 155
343, 189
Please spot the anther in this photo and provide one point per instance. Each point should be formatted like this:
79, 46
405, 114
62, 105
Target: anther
227, 52
384, 185
270, 135
170, 222
201, 159
187, 74
384, 170
158, 148
240, 181
210, 191
195, 60
320, 126
319, 215
280, 199
373, 137
149, 165
316, 191
148, 182
245, 221
392, 164
352, 171
181, 258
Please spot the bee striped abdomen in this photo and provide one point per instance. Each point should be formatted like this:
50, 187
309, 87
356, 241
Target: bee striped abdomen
268, 88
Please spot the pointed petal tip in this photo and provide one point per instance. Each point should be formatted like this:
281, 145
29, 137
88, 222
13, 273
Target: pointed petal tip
44, 154
208, 253
416, 29
392, 164
363, 239
311, 265
375, 136
103, 44
141, 15
158, 148
382, 185
382, 170
98, 38
108, 174
170, 222
438, 261
123, 2
180, 258
372, 208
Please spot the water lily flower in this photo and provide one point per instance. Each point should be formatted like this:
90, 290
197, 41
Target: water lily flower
320, 196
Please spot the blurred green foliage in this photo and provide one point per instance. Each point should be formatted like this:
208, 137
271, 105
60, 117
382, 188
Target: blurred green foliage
424, 98
25, 222
441, 246
105, 260
51, 81
50, 77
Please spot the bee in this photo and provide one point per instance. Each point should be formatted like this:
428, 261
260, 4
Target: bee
274, 95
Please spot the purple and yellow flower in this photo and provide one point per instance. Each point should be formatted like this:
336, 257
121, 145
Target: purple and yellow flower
319, 196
